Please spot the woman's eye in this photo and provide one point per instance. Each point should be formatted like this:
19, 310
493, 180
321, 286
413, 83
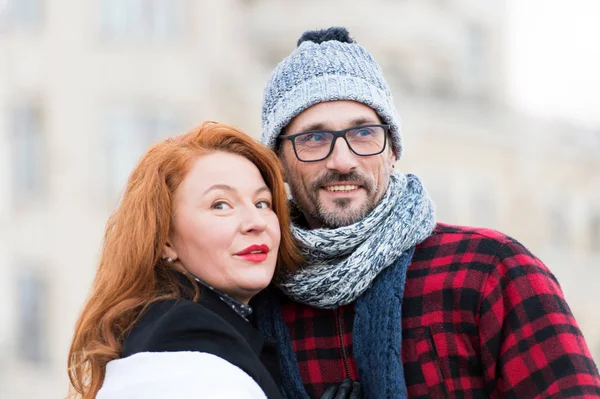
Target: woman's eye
263, 205
221, 205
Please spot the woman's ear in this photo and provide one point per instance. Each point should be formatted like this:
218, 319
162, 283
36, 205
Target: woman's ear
169, 252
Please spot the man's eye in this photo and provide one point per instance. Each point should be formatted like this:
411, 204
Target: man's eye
367, 131
312, 138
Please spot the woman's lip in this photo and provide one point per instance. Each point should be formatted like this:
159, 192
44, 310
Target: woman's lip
256, 258
257, 248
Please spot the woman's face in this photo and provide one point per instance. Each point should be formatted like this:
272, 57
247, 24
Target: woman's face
225, 230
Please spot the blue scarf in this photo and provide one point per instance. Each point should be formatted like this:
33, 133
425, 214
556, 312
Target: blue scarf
342, 263
377, 335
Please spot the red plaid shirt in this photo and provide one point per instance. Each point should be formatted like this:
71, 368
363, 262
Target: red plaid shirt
481, 317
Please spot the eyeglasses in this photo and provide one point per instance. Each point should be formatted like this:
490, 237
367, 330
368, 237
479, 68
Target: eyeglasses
316, 145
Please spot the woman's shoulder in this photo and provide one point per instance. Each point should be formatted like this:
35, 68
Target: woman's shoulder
162, 312
178, 325
168, 375
203, 331
175, 328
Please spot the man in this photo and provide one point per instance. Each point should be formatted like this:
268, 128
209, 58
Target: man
407, 307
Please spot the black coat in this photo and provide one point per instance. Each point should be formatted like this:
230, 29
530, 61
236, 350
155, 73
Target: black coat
208, 326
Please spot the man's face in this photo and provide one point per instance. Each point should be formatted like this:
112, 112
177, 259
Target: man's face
343, 188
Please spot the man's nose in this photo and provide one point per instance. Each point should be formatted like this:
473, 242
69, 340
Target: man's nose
341, 159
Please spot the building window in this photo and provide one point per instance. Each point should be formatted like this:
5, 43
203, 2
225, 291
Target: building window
476, 51
594, 232
143, 20
130, 131
442, 198
32, 313
396, 73
28, 151
20, 14
484, 209
476, 66
558, 220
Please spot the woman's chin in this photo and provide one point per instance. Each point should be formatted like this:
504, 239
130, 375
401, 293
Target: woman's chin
251, 288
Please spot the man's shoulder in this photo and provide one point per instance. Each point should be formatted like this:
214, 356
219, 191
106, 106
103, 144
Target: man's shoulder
449, 237
472, 247
447, 233
469, 244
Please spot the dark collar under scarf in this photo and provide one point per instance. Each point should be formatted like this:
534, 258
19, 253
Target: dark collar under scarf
377, 335
240, 308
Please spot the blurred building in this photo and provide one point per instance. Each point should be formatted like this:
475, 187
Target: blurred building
86, 86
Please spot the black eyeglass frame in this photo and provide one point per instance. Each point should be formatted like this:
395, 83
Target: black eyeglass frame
337, 134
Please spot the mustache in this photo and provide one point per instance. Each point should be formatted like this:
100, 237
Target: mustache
332, 176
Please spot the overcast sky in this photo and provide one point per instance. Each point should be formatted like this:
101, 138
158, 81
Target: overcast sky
554, 58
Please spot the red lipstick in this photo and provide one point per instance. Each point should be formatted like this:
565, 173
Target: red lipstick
254, 253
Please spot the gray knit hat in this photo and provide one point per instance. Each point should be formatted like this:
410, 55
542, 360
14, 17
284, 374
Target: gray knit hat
327, 65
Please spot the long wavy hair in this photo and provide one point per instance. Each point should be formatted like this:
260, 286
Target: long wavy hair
131, 274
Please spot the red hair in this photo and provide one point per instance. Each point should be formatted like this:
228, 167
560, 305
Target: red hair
131, 273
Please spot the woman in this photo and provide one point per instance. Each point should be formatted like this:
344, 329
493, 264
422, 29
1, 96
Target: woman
202, 227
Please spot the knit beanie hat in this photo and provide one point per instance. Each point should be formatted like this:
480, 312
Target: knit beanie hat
327, 65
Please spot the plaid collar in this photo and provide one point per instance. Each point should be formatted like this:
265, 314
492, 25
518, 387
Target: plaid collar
240, 308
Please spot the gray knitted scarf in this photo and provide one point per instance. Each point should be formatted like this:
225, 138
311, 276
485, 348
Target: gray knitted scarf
342, 263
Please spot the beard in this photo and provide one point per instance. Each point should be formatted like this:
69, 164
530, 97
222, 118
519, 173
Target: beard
342, 213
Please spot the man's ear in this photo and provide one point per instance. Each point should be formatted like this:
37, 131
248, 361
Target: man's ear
279, 152
393, 158
281, 157
169, 251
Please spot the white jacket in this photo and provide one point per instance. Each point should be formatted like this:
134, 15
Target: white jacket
176, 375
